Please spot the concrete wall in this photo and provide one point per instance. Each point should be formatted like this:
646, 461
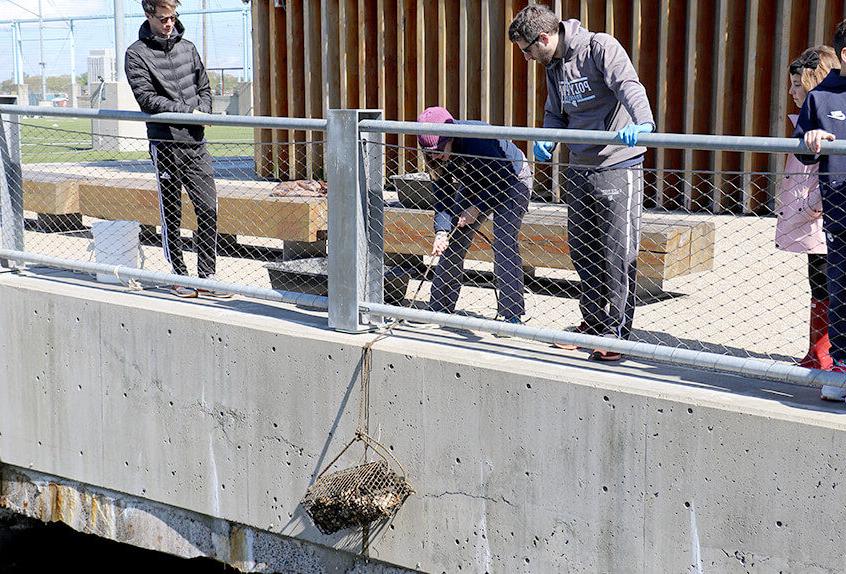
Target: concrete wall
522, 461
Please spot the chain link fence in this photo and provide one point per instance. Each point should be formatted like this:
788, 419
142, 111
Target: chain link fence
177, 207
519, 241
704, 281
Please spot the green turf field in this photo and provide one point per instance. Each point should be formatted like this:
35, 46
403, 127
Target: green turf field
69, 140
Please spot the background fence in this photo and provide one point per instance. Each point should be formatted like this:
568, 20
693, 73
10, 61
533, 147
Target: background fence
706, 282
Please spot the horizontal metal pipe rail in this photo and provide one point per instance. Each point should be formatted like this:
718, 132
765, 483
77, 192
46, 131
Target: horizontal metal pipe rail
112, 17
750, 367
653, 140
169, 118
315, 301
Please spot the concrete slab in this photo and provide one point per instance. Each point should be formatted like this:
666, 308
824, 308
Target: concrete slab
525, 458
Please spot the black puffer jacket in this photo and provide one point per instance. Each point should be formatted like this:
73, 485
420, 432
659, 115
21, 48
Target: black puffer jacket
167, 75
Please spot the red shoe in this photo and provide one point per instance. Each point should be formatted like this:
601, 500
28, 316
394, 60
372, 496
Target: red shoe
818, 357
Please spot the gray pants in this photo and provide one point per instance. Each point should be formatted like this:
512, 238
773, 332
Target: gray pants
603, 227
508, 264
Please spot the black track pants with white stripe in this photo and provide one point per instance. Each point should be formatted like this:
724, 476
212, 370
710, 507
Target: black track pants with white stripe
603, 226
186, 165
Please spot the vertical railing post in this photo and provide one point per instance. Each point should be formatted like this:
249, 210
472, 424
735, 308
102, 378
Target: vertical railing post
355, 219
11, 184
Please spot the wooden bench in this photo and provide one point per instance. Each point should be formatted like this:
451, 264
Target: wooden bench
244, 207
55, 198
670, 246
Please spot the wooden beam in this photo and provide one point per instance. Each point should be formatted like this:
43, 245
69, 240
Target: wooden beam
498, 91
485, 61
662, 104
330, 60
348, 37
388, 77
508, 58
313, 86
371, 67
452, 13
778, 88
261, 85
701, 159
411, 88
279, 95
402, 68
816, 22
295, 35
690, 98
442, 55
463, 65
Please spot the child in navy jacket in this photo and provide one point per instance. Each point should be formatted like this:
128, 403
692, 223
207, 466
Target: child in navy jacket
823, 118
475, 177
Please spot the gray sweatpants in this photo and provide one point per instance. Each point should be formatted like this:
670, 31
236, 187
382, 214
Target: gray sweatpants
603, 227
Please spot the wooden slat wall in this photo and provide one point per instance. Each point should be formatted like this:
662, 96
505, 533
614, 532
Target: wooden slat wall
709, 66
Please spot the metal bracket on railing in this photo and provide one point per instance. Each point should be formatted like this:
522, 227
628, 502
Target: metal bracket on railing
353, 171
11, 184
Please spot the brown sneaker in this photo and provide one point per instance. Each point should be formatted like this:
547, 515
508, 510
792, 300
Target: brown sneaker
183, 292
582, 329
214, 294
602, 355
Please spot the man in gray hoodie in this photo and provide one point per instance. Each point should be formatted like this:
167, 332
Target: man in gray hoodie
592, 85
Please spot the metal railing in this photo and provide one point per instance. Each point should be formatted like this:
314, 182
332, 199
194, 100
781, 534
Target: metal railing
364, 242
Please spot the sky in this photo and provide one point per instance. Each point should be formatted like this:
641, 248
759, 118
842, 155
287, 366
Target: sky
225, 42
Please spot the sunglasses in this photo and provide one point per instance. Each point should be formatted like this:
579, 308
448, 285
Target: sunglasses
530, 44
166, 19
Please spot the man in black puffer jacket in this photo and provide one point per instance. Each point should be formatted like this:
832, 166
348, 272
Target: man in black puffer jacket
166, 75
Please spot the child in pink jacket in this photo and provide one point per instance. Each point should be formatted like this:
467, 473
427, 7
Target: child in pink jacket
799, 208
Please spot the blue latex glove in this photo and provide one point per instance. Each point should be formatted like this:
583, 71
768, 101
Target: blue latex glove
543, 150
628, 135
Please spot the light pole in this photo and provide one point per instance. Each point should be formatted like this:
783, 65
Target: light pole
41, 46
72, 65
119, 40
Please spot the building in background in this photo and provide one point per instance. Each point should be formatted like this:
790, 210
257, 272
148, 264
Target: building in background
101, 64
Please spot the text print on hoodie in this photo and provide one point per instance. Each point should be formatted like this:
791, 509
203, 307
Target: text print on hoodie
594, 86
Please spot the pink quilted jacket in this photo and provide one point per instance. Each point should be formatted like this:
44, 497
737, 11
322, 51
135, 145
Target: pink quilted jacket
799, 208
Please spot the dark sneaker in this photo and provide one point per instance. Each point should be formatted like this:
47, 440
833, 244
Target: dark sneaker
183, 292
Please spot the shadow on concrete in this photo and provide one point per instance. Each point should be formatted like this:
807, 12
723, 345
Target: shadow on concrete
798, 396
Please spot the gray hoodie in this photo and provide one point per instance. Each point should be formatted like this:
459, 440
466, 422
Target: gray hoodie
594, 86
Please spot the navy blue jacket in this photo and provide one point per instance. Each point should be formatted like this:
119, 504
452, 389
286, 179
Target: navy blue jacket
484, 178
825, 109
